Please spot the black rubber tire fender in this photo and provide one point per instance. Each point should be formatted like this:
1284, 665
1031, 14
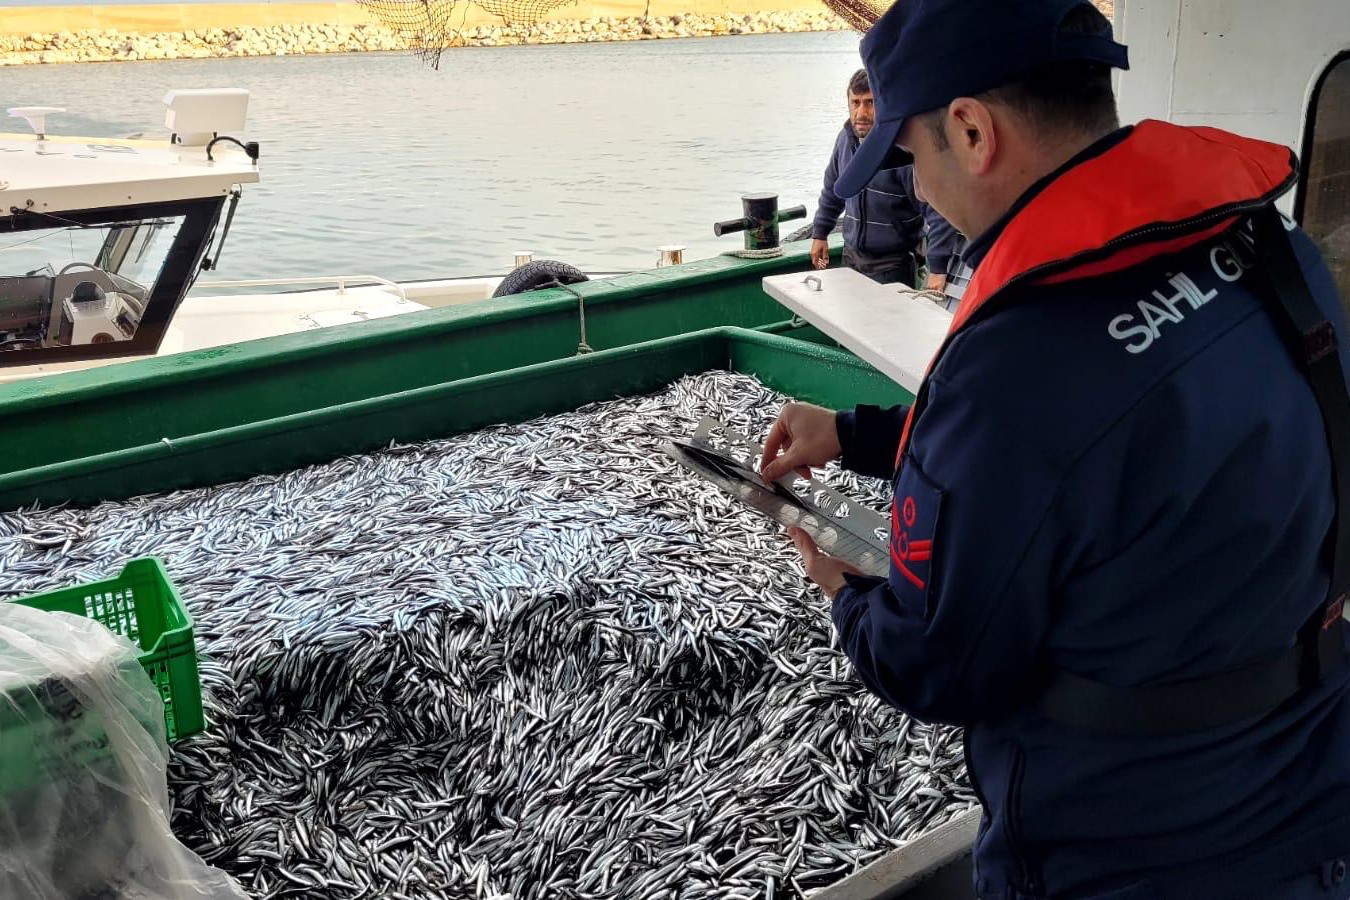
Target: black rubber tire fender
541, 273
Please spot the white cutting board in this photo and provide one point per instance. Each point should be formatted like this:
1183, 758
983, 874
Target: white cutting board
892, 327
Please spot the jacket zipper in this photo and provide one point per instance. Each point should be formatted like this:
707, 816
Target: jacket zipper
862, 221
1012, 822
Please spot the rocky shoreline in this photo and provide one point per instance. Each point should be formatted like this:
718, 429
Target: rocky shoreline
284, 40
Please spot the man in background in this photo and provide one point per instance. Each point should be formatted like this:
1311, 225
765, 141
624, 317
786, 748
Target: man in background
884, 224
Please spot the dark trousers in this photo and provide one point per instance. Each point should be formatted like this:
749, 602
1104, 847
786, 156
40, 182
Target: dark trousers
899, 269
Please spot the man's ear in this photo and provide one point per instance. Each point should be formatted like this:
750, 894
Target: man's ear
970, 130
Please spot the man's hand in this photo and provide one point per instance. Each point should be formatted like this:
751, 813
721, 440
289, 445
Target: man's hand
820, 253
824, 570
935, 283
805, 435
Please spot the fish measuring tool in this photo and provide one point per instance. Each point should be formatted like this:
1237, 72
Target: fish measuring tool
842, 527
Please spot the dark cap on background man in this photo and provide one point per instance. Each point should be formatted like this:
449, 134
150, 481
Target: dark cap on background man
923, 54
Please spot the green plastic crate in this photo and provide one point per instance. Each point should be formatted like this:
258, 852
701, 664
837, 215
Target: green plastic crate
142, 604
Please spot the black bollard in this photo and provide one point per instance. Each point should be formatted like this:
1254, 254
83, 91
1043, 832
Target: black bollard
761, 221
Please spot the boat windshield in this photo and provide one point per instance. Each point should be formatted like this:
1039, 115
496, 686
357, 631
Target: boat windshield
74, 284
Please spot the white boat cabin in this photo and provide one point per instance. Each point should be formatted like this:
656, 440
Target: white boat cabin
103, 238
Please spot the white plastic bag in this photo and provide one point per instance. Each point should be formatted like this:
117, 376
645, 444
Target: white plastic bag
84, 803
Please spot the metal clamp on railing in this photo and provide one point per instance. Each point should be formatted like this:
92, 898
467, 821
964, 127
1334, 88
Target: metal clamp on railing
760, 224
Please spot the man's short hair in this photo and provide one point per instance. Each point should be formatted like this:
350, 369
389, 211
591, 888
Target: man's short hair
858, 84
1073, 97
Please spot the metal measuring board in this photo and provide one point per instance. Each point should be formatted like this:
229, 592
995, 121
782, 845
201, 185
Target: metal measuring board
841, 526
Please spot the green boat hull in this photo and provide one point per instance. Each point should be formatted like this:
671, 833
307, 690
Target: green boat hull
229, 412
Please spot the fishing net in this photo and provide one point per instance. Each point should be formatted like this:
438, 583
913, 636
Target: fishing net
431, 26
859, 14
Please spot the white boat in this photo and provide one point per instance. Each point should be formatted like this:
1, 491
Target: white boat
106, 238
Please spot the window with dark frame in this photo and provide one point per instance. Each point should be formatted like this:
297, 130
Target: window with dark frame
1324, 196
158, 246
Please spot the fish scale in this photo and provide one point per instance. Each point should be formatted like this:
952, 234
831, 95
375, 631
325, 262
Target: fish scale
537, 660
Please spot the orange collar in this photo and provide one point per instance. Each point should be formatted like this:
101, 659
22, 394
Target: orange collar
1163, 188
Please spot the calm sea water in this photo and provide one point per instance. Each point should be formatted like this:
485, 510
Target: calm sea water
593, 154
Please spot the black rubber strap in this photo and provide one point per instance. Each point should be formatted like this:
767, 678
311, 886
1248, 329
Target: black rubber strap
1259, 687
1312, 341
1154, 710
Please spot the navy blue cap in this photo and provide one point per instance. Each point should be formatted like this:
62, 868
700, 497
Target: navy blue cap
923, 54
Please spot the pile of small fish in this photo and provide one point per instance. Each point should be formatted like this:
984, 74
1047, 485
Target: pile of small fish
536, 661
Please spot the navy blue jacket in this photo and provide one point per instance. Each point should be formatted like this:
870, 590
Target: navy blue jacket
885, 219
1116, 470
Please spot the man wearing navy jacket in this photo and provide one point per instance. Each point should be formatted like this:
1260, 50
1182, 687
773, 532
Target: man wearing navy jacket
883, 223
1118, 554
